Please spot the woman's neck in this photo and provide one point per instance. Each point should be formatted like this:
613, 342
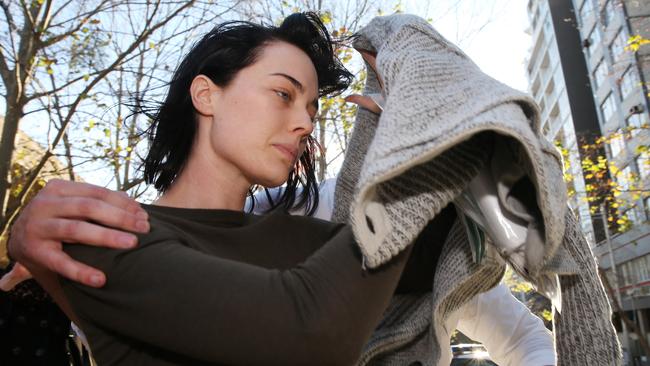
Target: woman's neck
202, 185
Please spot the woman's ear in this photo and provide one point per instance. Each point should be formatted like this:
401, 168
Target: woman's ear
201, 90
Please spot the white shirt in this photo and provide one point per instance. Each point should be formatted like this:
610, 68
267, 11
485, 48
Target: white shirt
512, 335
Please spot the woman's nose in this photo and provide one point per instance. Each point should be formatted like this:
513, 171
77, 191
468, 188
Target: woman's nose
304, 122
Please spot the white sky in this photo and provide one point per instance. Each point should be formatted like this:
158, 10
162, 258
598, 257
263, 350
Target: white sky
491, 32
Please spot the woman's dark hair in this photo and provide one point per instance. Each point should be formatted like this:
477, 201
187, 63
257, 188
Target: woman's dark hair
219, 55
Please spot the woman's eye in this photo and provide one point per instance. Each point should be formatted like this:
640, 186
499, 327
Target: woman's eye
282, 94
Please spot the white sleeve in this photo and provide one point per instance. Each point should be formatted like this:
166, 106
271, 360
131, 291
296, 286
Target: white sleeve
262, 203
512, 335
325, 200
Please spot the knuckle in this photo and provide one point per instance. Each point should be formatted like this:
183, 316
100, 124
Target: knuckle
69, 228
127, 220
54, 185
86, 206
111, 236
36, 204
100, 192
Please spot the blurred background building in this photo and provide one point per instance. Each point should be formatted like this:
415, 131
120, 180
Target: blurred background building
590, 78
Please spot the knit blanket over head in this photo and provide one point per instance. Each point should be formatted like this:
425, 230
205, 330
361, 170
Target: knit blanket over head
441, 117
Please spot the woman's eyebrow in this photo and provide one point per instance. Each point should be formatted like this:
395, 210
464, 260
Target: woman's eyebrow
293, 81
297, 84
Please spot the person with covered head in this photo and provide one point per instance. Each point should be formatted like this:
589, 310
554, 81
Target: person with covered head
209, 283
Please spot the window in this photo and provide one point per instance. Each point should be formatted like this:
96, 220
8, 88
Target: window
548, 28
600, 74
643, 267
643, 164
616, 143
617, 48
608, 107
594, 40
609, 12
623, 179
629, 82
586, 10
634, 124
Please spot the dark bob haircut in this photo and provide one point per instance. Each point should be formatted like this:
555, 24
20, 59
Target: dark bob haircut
219, 55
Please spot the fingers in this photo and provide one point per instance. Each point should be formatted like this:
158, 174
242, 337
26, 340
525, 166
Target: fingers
74, 212
371, 59
63, 188
98, 211
20, 271
76, 231
61, 263
365, 102
12, 278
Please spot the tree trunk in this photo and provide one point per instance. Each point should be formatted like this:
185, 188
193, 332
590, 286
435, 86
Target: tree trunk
13, 115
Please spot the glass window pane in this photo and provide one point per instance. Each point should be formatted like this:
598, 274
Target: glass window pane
616, 143
608, 107
600, 74
634, 124
623, 179
629, 82
617, 48
643, 164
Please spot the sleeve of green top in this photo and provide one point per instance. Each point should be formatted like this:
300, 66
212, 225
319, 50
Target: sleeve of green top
171, 296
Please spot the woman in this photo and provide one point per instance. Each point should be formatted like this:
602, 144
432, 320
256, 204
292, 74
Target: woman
212, 284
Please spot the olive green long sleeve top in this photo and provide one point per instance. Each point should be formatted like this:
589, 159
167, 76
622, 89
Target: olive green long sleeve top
223, 287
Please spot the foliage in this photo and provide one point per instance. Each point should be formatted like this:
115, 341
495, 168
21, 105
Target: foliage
635, 42
525, 292
59, 64
611, 180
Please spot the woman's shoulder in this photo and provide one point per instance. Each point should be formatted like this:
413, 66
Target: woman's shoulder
307, 223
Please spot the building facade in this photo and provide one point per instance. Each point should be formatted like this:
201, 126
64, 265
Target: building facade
617, 74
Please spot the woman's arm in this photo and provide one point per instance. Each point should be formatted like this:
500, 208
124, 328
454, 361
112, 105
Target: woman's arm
212, 309
509, 331
74, 212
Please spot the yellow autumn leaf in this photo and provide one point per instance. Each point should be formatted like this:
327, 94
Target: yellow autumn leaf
326, 17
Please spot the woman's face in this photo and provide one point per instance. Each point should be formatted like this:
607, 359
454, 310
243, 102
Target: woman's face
261, 120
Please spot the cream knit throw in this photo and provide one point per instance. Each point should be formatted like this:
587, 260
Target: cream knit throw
436, 97
401, 169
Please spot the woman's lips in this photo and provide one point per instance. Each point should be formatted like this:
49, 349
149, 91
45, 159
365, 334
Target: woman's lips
288, 150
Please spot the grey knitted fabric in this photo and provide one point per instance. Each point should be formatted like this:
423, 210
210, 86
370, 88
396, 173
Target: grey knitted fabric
435, 96
403, 167
407, 334
586, 313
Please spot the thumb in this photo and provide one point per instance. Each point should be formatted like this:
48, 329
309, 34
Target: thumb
365, 102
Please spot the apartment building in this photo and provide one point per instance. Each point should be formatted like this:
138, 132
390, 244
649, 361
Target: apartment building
587, 79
